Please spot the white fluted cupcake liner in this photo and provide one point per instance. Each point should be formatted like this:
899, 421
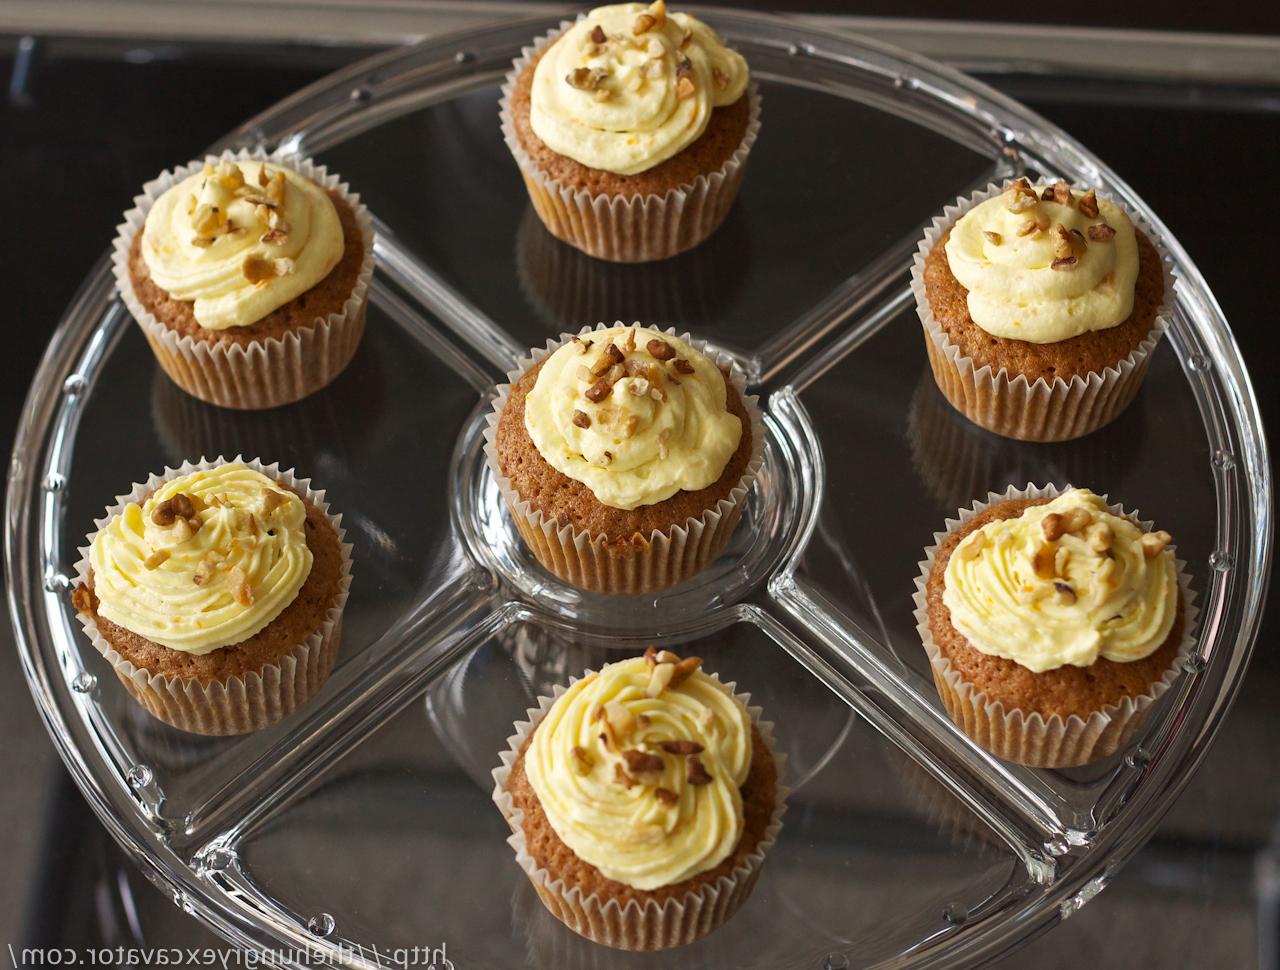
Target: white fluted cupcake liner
667, 557
652, 926
263, 373
1013, 406
1032, 739
238, 704
635, 229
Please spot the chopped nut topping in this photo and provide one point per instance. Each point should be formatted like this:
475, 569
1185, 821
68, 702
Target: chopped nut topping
993, 237
580, 419
682, 366
653, 68
719, 79
156, 559
259, 271
601, 94
667, 657
82, 600
1065, 263
274, 237
684, 67
271, 500
1153, 543
598, 35
644, 23
681, 747
606, 458
1099, 536
619, 717
696, 771
1052, 526
202, 242
275, 188
657, 393
584, 78
1101, 233
1062, 244
621, 777
163, 514
630, 345
1066, 594
1020, 196
263, 178
182, 505
659, 677
1088, 204
684, 88
182, 529
684, 670
972, 545
608, 358
241, 591
582, 760
598, 391
665, 795
203, 571
663, 450
639, 386
661, 349
584, 374
1043, 562
643, 766
1027, 228
651, 655
659, 10
1074, 520
630, 425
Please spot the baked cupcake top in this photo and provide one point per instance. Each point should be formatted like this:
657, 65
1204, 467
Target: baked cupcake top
207, 561
1066, 582
630, 85
634, 414
240, 239
638, 769
1045, 265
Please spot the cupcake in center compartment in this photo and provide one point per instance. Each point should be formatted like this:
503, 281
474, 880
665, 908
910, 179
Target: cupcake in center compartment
625, 455
631, 128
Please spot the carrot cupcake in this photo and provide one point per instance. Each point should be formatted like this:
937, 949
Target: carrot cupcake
642, 800
631, 128
1041, 306
216, 593
1052, 622
248, 275
624, 455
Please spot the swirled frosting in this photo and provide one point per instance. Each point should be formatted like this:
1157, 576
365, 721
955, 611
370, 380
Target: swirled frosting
1099, 587
640, 813
1044, 270
241, 239
629, 86
206, 580
633, 427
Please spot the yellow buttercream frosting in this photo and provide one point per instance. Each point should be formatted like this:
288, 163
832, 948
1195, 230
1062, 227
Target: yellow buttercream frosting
630, 85
208, 580
606, 805
1045, 272
241, 239
1100, 590
661, 426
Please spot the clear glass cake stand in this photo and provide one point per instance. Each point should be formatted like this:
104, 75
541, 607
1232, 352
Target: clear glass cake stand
362, 826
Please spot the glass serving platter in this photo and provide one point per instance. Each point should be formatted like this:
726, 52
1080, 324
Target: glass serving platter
362, 826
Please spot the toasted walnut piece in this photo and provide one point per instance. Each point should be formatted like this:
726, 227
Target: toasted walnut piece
156, 559
682, 366
163, 514
1062, 245
630, 344
82, 600
643, 24
1065, 594
1075, 520
657, 393
993, 237
203, 571
276, 188
681, 747
1101, 233
1099, 537
1153, 543
659, 677
284, 266
684, 88
583, 79
696, 771
606, 458
263, 177
1088, 204
719, 79
1027, 228
972, 546
241, 591
639, 386
182, 505
1019, 197
582, 760
684, 670
651, 655
621, 777
1043, 561
665, 795
598, 35
630, 425
202, 242
661, 349
598, 391
1065, 263
274, 237
1053, 527
580, 419
642, 765
1062, 192
258, 271
619, 717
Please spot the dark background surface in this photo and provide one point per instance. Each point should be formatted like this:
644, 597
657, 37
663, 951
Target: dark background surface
1204, 893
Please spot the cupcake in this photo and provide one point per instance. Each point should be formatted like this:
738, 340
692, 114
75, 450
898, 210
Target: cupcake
249, 276
624, 455
216, 592
642, 800
1052, 622
1041, 306
631, 128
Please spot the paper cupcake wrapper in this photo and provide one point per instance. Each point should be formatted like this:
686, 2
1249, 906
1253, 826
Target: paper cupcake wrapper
237, 705
652, 926
1015, 407
635, 229
668, 557
1032, 739
264, 373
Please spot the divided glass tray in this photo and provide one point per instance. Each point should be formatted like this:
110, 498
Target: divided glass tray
362, 826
